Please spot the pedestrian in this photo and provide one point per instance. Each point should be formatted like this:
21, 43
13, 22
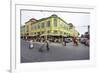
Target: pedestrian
31, 44
47, 45
75, 42
65, 39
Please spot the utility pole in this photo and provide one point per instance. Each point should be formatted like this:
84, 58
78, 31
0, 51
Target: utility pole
88, 29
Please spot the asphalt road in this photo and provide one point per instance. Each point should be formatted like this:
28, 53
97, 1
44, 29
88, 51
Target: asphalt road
57, 52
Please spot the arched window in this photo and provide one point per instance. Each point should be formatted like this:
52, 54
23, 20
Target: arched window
55, 22
42, 25
48, 23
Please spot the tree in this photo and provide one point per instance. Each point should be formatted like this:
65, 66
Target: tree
78, 33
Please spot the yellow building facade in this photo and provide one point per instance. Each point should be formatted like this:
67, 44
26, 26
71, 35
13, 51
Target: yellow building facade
52, 27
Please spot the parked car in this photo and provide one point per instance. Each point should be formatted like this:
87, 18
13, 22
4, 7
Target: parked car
87, 42
84, 41
68, 40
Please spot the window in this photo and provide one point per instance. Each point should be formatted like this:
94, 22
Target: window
27, 30
42, 32
35, 33
35, 27
32, 27
42, 25
55, 32
38, 26
55, 22
64, 33
48, 23
68, 28
48, 31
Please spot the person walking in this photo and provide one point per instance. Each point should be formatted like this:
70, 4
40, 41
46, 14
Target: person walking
75, 42
31, 44
47, 45
65, 40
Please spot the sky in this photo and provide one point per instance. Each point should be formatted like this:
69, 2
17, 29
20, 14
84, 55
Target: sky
79, 20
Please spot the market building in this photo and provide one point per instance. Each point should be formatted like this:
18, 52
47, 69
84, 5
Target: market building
52, 28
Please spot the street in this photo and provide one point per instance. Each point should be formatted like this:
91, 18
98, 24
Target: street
57, 52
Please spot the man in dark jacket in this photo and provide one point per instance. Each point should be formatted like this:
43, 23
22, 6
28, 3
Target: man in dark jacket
47, 45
